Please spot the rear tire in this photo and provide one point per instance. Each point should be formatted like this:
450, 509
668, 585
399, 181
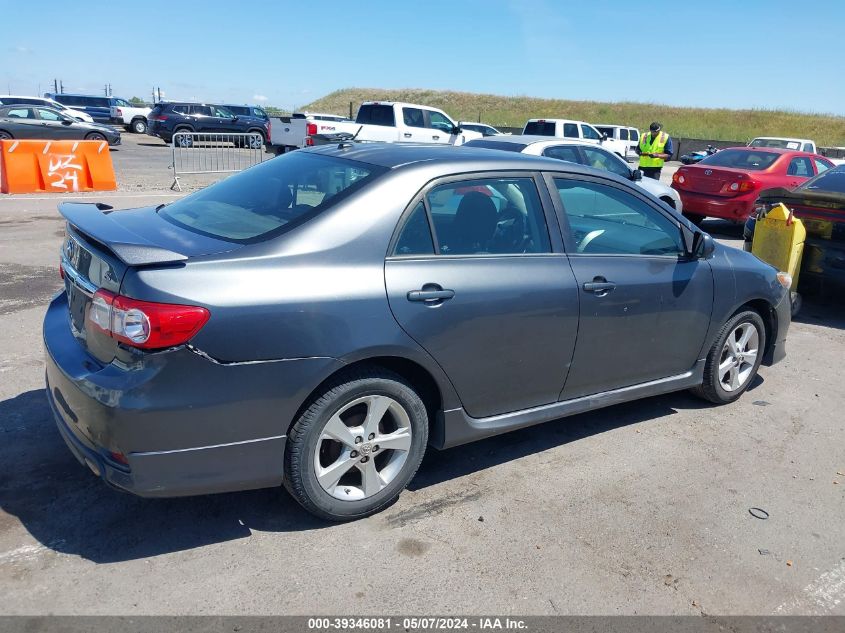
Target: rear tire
139, 126
669, 201
183, 141
338, 464
256, 141
734, 359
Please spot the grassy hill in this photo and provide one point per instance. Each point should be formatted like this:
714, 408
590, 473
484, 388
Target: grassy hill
705, 123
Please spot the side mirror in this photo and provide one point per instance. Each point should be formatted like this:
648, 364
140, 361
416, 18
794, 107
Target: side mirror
703, 246
234, 118
456, 129
636, 174
604, 137
67, 122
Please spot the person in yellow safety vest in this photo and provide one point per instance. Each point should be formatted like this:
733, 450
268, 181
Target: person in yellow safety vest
654, 149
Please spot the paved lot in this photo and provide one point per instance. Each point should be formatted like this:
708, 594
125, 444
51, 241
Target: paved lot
640, 508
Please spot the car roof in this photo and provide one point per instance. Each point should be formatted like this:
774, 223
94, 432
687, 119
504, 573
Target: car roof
781, 138
530, 139
773, 150
395, 155
556, 120
624, 127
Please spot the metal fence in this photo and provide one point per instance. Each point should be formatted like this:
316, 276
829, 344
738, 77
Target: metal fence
209, 153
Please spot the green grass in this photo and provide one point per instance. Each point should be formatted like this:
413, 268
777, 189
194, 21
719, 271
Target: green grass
704, 123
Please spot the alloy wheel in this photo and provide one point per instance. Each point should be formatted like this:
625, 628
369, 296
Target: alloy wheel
739, 357
362, 447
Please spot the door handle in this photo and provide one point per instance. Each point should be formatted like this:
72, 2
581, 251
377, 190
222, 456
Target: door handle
408, 135
431, 294
599, 286
436, 138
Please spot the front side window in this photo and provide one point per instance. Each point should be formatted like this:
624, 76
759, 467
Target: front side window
808, 147
570, 130
258, 112
590, 132
488, 216
270, 198
440, 122
49, 115
601, 159
604, 220
413, 117
122, 103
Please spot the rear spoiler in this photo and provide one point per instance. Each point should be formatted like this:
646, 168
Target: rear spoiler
92, 220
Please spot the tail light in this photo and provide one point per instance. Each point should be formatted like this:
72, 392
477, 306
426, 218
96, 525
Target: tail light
309, 142
144, 324
119, 112
158, 117
740, 186
311, 129
679, 178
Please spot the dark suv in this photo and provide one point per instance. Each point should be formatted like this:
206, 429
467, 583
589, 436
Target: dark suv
166, 119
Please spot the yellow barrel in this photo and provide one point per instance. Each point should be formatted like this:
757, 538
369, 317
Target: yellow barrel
779, 240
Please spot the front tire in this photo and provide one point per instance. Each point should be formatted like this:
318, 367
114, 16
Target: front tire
356, 446
734, 359
95, 136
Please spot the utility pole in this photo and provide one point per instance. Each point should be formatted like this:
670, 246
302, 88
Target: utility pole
55, 86
159, 93
154, 95
61, 86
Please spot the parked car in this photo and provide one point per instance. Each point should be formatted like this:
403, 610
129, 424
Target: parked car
166, 119
320, 116
98, 107
481, 128
820, 204
564, 128
802, 144
726, 185
628, 135
131, 117
388, 121
79, 115
583, 153
350, 305
33, 122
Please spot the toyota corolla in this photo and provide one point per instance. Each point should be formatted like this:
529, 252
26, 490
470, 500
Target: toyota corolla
319, 320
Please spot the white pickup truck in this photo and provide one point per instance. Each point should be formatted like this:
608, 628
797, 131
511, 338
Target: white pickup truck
385, 121
564, 128
133, 118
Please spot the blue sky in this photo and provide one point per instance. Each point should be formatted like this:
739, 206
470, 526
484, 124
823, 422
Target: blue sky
749, 53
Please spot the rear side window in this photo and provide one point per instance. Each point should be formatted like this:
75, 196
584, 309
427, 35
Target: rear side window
800, 167
201, 110
415, 238
413, 117
19, 113
540, 128
623, 134
488, 216
570, 130
270, 198
182, 109
70, 100
808, 147
635, 135
376, 114
741, 159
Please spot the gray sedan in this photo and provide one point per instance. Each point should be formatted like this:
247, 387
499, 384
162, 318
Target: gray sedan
320, 319
39, 123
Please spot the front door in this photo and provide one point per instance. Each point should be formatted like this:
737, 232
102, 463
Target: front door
645, 306
440, 128
487, 293
55, 126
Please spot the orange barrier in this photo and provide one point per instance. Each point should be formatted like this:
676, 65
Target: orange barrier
55, 166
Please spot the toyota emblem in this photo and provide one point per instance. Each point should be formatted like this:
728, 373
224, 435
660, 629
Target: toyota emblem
708, 172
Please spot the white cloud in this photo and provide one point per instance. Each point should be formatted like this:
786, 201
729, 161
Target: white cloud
260, 98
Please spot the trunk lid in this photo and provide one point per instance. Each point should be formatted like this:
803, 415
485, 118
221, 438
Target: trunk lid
101, 245
709, 180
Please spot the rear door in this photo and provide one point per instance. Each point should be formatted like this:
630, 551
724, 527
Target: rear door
25, 123
645, 307
414, 126
202, 120
799, 169
476, 277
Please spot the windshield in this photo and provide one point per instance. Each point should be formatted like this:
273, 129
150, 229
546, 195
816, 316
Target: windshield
270, 198
741, 159
832, 181
780, 143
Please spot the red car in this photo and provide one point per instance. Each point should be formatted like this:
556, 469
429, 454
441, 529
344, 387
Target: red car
728, 183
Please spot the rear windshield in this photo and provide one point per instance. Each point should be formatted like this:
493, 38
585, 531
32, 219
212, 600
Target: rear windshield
270, 198
748, 159
376, 114
780, 143
510, 147
540, 128
832, 181
605, 130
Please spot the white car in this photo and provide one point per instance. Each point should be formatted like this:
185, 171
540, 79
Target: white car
566, 128
481, 128
798, 144
628, 135
583, 153
49, 103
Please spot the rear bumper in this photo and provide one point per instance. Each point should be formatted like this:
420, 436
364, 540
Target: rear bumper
736, 209
185, 424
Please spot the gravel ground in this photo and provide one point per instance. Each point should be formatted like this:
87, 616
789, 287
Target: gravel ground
639, 508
